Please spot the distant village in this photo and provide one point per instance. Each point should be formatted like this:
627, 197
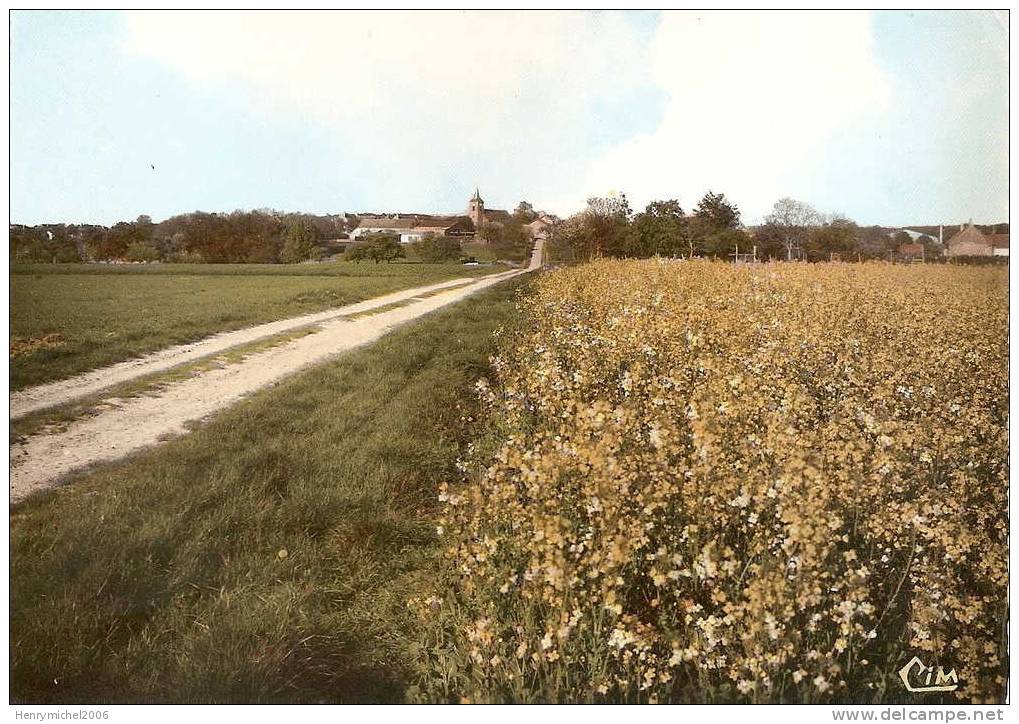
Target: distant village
266, 236
414, 227
269, 236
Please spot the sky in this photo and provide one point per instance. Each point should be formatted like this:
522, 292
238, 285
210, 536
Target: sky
892, 117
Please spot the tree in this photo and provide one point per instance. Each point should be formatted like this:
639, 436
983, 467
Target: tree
931, 248
718, 213
511, 240
237, 237
298, 244
608, 227
610, 207
113, 242
524, 213
837, 237
794, 220
51, 242
899, 239
658, 229
725, 242
693, 233
490, 232
602, 228
357, 252
873, 242
141, 251
770, 241
435, 249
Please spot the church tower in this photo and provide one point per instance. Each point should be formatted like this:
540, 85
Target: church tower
476, 209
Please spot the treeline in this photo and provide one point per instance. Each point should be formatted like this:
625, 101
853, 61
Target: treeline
262, 236
793, 230
608, 227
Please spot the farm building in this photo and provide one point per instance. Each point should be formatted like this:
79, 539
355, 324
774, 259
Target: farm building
540, 227
970, 241
911, 252
413, 227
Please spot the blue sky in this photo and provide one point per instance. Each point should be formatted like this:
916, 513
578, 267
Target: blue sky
889, 117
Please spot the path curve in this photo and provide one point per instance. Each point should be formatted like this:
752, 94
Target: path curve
124, 426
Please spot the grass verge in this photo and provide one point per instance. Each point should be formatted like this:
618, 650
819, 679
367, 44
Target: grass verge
267, 556
378, 310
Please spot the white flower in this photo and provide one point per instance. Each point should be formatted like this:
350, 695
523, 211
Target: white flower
740, 502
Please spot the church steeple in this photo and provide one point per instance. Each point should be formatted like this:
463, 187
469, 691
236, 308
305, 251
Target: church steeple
476, 209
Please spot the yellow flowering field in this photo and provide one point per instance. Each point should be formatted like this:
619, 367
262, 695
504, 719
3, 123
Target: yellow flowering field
699, 482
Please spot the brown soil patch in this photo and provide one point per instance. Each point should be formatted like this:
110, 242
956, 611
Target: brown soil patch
22, 346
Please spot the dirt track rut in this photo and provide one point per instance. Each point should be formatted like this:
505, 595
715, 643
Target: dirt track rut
124, 426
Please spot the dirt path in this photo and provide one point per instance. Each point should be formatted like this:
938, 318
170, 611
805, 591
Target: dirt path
124, 426
89, 383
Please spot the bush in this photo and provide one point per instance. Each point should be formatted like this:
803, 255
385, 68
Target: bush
437, 249
140, 251
186, 257
299, 244
375, 248
264, 254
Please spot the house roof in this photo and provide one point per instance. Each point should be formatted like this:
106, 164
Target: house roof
426, 222
968, 233
971, 233
411, 222
386, 224
911, 248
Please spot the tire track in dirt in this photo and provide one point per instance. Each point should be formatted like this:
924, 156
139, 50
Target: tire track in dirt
125, 426
89, 383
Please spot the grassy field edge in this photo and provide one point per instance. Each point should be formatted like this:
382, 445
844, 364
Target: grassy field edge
68, 321
268, 555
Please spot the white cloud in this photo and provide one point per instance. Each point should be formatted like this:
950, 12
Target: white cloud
753, 98
504, 99
421, 94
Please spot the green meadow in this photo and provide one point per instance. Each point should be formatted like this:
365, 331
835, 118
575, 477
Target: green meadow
69, 318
